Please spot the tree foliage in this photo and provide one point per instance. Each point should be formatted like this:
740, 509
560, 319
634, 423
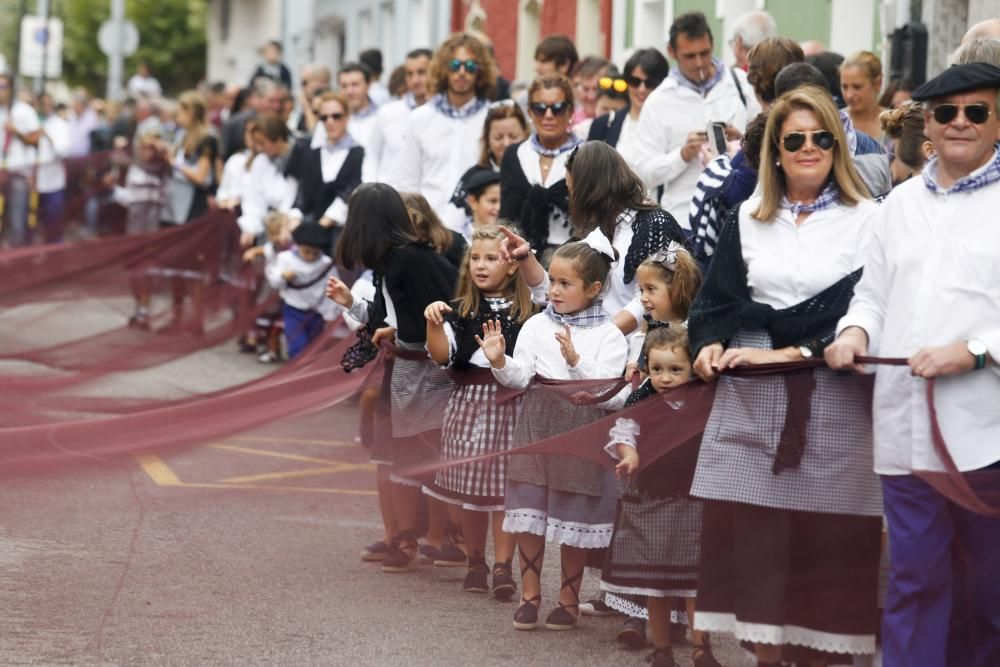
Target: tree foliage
172, 39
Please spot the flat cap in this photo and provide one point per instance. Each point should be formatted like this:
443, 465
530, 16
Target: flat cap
959, 79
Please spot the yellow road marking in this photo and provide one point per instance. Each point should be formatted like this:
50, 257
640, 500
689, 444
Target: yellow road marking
162, 475
293, 441
158, 470
276, 455
296, 473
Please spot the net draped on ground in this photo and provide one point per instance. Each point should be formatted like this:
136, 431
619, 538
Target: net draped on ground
64, 338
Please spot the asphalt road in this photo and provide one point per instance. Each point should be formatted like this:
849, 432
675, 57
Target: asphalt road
246, 552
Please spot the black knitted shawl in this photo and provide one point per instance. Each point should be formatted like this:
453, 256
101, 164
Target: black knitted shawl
467, 328
652, 229
724, 305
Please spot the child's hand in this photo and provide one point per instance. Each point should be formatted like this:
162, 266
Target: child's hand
565, 339
493, 344
512, 246
631, 369
629, 462
250, 254
247, 239
435, 312
338, 292
385, 333
288, 275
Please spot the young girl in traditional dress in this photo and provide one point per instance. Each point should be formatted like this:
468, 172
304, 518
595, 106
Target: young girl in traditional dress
668, 281
489, 289
655, 548
564, 499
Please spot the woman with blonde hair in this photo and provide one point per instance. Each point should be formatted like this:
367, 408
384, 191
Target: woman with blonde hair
792, 515
193, 157
861, 84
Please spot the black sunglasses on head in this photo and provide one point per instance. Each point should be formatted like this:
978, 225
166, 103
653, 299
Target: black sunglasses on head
327, 116
975, 113
471, 66
557, 108
822, 139
649, 82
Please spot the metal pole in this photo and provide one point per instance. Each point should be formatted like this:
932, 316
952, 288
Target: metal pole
116, 60
44, 11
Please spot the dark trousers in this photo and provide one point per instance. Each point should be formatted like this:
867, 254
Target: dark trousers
301, 328
942, 608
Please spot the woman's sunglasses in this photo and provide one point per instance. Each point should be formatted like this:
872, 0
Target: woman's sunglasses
557, 108
471, 66
649, 82
975, 113
822, 139
330, 116
609, 83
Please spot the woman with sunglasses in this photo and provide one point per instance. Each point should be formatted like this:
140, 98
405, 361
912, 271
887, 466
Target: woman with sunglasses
644, 71
330, 172
533, 190
792, 517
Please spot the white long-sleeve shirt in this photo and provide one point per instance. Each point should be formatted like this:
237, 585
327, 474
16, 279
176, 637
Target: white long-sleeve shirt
235, 177
267, 189
932, 278
439, 150
389, 136
602, 351
670, 113
312, 297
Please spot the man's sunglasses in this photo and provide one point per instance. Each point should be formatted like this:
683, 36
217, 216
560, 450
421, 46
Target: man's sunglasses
649, 82
471, 66
557, 108
975, 113
330, 116
822, 139
609, 83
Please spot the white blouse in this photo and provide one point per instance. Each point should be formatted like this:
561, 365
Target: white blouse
788, 263
559, 228
602, 351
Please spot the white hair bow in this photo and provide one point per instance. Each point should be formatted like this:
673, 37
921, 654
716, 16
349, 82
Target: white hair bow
667, 257
599, 242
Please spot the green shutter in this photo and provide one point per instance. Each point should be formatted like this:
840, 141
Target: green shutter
802, 21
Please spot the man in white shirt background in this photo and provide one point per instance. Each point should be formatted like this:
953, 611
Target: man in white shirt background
445, 133
143, 83
389, 133
18, 142
354, 80
931, 293
672, 125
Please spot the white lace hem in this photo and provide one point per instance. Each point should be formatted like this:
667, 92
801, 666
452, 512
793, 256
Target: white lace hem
461, 503
402, 481
762, 633
648, 592
570, 533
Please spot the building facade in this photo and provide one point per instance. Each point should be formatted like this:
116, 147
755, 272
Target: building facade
333, 31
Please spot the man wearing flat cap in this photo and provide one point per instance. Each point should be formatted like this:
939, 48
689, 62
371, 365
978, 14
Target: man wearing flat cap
931, 293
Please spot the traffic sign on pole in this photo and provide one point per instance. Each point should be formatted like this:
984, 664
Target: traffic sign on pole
41, 46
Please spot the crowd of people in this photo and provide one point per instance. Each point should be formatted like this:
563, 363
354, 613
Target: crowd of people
661, 223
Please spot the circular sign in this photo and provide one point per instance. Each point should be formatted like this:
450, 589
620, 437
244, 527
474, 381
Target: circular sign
108, 38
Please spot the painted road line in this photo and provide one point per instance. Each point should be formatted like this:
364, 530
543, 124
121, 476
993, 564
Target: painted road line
276, 455
162, 475
311, 472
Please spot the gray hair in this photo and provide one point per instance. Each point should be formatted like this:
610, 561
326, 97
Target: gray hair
754, 27
985, 50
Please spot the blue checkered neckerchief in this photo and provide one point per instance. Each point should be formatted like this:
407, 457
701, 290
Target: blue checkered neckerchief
980, 178
593, 316
346, 141
572, 142
470, 108
700, 88
852, 134
829, 197
367, 112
